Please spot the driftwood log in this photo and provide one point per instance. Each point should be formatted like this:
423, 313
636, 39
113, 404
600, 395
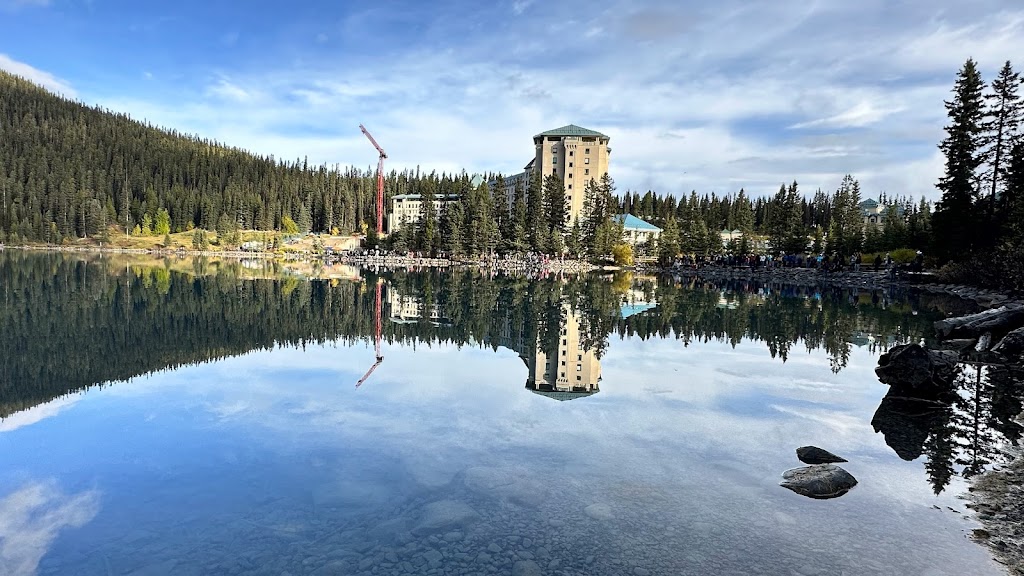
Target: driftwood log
998, 321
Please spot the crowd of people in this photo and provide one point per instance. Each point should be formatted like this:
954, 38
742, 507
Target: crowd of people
829, 263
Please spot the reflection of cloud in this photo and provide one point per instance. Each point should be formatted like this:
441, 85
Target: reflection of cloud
30, 519
37, 413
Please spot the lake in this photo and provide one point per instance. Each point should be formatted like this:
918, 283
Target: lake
202, 417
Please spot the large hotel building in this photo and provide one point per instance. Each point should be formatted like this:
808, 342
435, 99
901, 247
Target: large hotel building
574, 154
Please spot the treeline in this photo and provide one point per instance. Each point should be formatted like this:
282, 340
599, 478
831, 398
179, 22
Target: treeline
979, 223
114, 325
69, 171
789, 221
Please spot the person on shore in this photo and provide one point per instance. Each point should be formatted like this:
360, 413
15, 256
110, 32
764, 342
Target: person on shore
878, 262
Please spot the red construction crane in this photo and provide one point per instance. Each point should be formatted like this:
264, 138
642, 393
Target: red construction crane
380, 180
376, 334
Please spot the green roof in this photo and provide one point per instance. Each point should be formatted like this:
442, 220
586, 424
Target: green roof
571, 130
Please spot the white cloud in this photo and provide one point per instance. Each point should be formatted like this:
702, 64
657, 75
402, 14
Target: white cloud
520, 6
227, 90
44, 79
32, 517
37, 413
693, 97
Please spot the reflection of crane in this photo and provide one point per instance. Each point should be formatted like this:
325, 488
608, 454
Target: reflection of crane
380, 180
376, 335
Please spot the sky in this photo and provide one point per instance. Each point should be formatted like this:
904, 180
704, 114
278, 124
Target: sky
705, 96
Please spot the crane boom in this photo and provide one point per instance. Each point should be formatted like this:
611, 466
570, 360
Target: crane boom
376, 334
380, 179
383, 154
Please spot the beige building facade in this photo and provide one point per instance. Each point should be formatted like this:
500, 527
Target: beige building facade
574, 154
408, 209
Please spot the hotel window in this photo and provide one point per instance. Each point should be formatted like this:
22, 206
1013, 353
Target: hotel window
586, 171
563, 362
579, 368
578, 378
571, 152
570, 185
586, 151
586, 160
563, 374
579, 357
564, 342
570, 164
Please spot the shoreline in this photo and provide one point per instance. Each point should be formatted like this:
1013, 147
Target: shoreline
866, 279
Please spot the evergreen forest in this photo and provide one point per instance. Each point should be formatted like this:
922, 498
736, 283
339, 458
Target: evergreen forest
70, 171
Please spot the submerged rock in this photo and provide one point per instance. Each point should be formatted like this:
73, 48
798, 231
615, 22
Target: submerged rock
599, 511
815, 455
820, 481
444, 515
526, 568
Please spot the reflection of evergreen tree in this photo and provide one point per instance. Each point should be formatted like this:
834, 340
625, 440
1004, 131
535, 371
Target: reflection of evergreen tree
941, 449
973, 405
1007, 385
113, 324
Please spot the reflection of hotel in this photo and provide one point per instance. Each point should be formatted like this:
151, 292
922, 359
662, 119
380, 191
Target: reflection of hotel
408, 309
567, 371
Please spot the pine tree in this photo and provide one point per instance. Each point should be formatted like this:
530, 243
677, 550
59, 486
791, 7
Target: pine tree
556, 210
668, 243
518, 241
1003, 119
955, 221
452, 226
536, 222
426, 228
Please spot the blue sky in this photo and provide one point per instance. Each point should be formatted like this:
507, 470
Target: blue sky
695, 95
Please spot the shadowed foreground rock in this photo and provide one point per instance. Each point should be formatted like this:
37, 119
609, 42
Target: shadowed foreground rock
820, 481
815, 455
1012, 345
917, 371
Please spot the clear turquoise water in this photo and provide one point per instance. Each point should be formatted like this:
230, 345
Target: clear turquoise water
272, 462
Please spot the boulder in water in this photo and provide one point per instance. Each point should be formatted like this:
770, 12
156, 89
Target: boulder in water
819, 481
912, 368
815, 455
1012, 344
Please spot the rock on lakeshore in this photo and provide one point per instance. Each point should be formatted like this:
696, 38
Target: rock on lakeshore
916, 369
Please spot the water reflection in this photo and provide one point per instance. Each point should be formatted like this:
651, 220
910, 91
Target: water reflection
263, 461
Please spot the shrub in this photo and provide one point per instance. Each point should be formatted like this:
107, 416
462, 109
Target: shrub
622, 255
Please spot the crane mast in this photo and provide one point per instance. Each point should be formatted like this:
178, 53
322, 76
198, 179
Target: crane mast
380, 180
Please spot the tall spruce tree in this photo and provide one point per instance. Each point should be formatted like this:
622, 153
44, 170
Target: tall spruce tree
536, 222
1003, 119
956, 221
556, 210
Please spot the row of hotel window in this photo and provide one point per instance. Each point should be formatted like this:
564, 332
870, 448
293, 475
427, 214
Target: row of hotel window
554, 149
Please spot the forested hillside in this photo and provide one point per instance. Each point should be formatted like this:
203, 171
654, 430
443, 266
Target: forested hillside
64, 169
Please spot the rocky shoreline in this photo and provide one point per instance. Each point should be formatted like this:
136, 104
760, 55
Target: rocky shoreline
992, 338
